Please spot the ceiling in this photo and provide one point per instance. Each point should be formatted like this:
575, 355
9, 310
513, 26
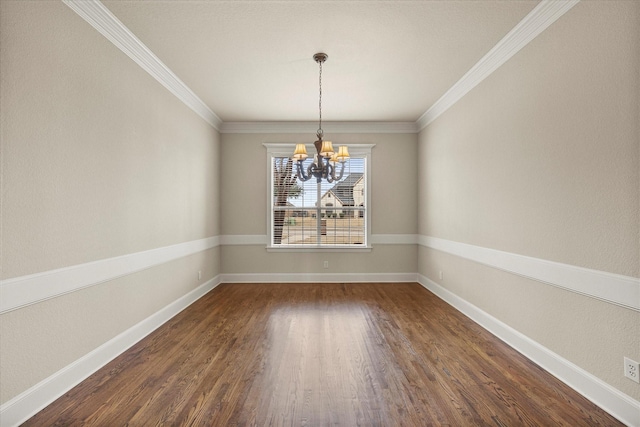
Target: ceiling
251, 61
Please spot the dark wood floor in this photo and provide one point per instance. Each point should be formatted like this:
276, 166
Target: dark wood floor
319, 355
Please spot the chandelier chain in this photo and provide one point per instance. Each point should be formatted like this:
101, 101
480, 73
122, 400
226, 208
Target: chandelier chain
320, 131
325, 162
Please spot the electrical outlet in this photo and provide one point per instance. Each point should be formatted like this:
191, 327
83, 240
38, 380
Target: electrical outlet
326, 264
441, 275
199, 275
632, 369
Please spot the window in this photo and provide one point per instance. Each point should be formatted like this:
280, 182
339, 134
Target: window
318, 215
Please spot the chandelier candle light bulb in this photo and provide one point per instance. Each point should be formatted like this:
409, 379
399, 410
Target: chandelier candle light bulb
300, 152
327, 149
343, 153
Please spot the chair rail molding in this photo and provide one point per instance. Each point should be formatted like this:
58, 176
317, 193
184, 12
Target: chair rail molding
612, 288
21, 291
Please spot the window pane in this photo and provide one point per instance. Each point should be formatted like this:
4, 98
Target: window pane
342, 227
285, 189
312, 213
298, 229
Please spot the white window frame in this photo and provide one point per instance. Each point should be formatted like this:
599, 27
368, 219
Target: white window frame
286, 150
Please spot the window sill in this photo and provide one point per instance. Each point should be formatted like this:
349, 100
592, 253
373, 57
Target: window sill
310, 249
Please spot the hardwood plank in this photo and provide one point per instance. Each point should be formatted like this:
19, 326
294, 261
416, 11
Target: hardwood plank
374, 354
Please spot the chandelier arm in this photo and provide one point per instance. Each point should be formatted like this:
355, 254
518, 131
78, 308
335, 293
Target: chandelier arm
331, 172
300, 171
341, 172
311, 170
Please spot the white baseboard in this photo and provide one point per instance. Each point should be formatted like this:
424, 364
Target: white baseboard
25, 405
618, 404
318, 277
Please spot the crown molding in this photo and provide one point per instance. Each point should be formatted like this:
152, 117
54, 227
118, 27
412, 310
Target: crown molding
539, 19
100, 18
107, 24
311, 127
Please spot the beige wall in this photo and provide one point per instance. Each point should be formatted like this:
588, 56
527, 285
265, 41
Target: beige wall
542, 159
98, 161
393, 205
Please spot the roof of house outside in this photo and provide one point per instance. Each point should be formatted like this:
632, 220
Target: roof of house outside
343, 190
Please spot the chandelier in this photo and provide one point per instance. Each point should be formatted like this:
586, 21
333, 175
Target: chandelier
325, 161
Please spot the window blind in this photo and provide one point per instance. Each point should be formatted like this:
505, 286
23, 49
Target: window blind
318, 214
